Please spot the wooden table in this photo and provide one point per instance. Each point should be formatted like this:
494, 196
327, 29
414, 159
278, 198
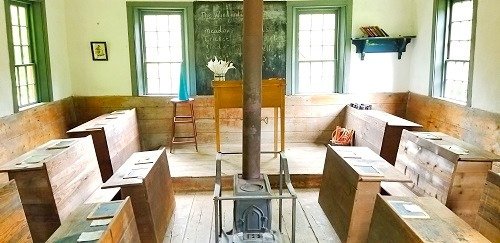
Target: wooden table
488, 218
121, 225
349, 186
229, 94
390, 222
13, 225
446, 168
145, 177
115, 136
53, 180
378, 130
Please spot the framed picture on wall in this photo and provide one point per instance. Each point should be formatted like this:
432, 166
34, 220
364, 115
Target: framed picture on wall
99, 51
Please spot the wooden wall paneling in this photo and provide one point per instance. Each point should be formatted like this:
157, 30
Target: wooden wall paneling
13, 224
151, 192
488, 218
441, 226
474, 126
116, 137
27, 129
321, 113
59, 181
438, 169
121, 228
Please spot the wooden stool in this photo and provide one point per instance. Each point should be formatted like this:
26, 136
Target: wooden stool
183, 119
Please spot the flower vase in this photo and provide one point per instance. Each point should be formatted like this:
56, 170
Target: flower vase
219, 77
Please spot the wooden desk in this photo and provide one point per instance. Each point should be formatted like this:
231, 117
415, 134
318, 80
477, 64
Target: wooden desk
347, 195
229, 94
59, 182
446, 168
13, 225
488, 218
121, 228
115, 136
151, 192
441, 226
377, 130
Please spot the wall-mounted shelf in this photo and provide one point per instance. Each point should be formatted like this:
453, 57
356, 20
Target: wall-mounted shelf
381, 44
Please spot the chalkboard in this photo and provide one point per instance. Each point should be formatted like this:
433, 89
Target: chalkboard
218, 28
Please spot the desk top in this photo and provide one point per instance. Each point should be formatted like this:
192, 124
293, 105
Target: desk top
390, 119
449, 147
362, 164
103, 121
81, 219
36, 158
442, 225
135, 169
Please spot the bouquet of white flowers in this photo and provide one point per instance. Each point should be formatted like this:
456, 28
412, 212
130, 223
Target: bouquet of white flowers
219, 67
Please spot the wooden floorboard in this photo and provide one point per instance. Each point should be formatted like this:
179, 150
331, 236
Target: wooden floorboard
193, 218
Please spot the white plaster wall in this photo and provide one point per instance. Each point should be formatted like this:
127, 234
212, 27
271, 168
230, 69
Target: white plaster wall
6, 103
58, 49
98, 20
382, 72
486, 81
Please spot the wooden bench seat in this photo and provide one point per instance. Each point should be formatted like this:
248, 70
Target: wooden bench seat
396, 189
400, 219
115, 137
103, 195
377, 130
53, 180
488, 218
145, 177
13, 225
120, 226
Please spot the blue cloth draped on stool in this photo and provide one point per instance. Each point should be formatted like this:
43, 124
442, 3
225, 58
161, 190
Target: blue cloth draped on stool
183, 86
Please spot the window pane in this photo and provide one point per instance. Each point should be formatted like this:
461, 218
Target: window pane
32, 93
304, 22
316, 21
174, 22
163, 39
150, 22
24, 95
153, 86
162, 22
13, 15
151, 39
461, 30
31, 74
152, 70
16, 40
24, 36
23, 80
17, 55
456, 80
175, 39
26, 55
22, 16
461, 11
329, 21
459, 50
151, 54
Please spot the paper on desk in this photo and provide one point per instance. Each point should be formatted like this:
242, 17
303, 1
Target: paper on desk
61, 145
90, 236
100, 222
35, 159
413, 208
144, 161
111, 117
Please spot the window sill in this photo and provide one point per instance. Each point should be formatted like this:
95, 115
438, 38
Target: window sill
452, 101
24, 108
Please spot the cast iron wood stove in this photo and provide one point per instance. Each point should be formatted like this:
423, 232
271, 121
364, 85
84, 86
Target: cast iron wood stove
252, 193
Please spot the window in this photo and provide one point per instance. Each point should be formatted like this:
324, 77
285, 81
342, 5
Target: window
455, 36
320, 33
27, 45
316, 51
160, 52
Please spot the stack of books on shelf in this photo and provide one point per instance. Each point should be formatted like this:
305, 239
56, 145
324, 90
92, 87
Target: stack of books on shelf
373, 31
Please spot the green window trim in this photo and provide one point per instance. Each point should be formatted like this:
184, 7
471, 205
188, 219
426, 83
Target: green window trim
134, 10
39, 39
439, 45
344, 28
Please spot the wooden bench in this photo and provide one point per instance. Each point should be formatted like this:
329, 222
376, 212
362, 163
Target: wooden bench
351, 180
399, 219
114, 222
446, 168
377, 130
145, 177
53, 180
115, 136
13, 225
488, 218
396, 189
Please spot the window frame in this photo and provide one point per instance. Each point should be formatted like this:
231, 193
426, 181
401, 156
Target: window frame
440, 44
37, 28
135, 12
343, 9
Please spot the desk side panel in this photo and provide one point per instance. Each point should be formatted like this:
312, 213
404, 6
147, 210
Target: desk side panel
13, 224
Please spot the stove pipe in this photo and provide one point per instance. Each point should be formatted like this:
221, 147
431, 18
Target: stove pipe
252, 86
